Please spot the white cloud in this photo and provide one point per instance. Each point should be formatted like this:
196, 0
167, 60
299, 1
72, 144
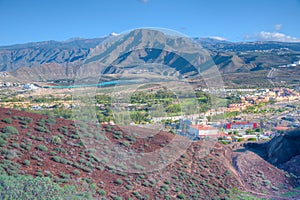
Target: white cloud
217, 38
114, 34
272, 36
278, 27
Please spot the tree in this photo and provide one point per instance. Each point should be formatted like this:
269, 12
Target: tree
174, 108
138, 117
249, 131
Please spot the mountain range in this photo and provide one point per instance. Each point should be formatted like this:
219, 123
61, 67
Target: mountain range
53, 60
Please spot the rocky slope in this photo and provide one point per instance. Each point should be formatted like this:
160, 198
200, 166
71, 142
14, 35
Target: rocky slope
282, 151
56, 148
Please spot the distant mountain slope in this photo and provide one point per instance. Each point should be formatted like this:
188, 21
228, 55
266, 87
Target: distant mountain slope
60, 60
49, 52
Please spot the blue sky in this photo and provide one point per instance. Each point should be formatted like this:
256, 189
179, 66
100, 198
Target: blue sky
236, 20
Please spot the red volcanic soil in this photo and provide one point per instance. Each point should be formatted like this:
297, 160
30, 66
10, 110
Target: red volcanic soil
90, 156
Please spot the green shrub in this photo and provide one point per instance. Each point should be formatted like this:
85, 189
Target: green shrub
227, 173
138, 167
15, 145
60, 150
64, 130
27, 187
117, 198
38, 173
42, 147
4, 151
7, 120
181, 196
23, 126
57, 159
275, 188
39, 138
267, 182
63, 175
51, 120
28, 120
55, 140
40, 129
23, 122
75, 136
10, 130
26, 146
101, 192
62, 160
9, 156
36, 157
164, 187
32, 137
21, 118
125, 143
3, 142
76, 172
27, 162
118, 181
53, 153
252, 139
41, 122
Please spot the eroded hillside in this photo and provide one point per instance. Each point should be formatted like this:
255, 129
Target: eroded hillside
40, 145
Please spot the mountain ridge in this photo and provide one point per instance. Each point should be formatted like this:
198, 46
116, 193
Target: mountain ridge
67, 56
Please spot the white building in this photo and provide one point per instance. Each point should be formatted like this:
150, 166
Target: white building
29, 86
297, 62
202, 131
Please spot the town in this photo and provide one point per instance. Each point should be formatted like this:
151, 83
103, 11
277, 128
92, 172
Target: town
249, 114
259, 114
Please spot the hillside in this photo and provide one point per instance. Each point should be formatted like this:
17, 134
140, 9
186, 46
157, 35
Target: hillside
77, 153
282, 151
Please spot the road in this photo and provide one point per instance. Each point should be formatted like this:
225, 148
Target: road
270, 75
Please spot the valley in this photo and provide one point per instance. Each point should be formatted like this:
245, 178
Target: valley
149, 115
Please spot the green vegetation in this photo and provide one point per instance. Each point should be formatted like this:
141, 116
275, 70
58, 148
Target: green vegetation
42, 148
181, 185
7, 120
292, 194
56, 140
102, 192
41, 128
3, 142
10, 130
181, 196
26, 187
118, 181
76, 172
27, 162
